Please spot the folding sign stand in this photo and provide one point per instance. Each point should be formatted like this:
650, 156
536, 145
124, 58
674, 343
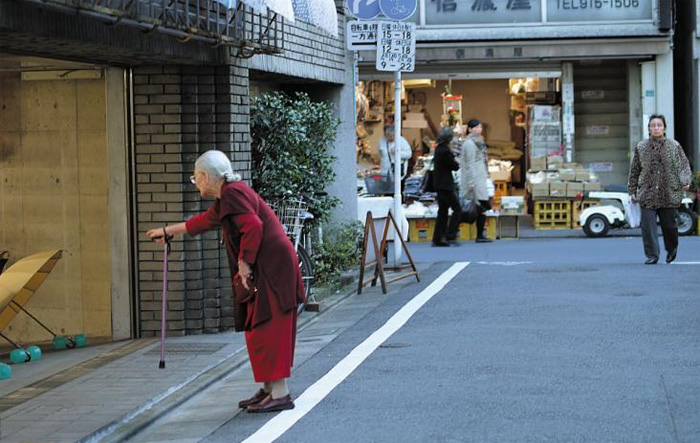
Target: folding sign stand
378, 270
379, 255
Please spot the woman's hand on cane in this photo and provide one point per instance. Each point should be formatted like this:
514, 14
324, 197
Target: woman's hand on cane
166, 233
159, 235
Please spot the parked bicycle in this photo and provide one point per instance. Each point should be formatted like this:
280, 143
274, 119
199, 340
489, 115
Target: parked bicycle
294, 214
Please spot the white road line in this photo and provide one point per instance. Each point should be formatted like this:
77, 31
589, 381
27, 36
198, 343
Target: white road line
277, 426
686, 263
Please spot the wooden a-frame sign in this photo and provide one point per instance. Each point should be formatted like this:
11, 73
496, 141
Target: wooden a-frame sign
379, 255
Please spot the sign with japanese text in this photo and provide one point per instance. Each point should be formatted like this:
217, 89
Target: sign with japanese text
474, 12
362, 35
396, 46
504, 12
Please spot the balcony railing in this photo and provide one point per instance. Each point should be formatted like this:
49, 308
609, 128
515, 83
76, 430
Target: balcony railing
208, 20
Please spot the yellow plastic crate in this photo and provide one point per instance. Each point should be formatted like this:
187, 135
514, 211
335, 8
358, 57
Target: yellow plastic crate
552, 214
421, 229
501, 188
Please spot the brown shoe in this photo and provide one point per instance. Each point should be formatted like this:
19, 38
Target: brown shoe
270, 404
256, 398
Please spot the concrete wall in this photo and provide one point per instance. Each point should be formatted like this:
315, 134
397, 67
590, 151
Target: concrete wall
53, 195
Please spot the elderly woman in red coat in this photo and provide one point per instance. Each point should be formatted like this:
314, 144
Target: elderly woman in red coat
260, 253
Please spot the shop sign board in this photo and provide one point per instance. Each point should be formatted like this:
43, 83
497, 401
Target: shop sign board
598, 10
593, 95
364, 9
396, 48
601, 167
597, 130
362, 35
502, 12
398, 9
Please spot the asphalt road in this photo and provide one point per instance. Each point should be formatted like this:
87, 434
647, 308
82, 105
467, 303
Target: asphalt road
562, 340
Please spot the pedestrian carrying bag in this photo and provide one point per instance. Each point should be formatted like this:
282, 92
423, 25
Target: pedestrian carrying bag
427, 183
635, 215
470, 209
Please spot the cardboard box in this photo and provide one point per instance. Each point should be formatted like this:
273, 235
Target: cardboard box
539, 189
500, 175
573, 188
538, 163
583, 175
555, 162
557, 189
567, 175
591, 186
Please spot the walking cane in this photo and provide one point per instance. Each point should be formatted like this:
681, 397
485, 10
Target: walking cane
164, 302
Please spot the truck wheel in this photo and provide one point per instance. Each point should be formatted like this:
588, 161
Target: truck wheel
687, 221
596, 226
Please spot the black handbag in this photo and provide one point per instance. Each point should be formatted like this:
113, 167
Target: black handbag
470, 209
427, 183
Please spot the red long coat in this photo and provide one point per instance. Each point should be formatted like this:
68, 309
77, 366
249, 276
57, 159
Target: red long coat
253, 233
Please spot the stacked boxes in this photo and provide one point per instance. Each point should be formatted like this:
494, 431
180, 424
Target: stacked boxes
557, 179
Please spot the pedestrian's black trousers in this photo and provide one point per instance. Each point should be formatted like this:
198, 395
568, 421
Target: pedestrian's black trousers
447, 200
650, 233
481, 221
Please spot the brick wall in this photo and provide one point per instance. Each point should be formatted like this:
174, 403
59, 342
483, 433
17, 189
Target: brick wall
179, 113
309, 53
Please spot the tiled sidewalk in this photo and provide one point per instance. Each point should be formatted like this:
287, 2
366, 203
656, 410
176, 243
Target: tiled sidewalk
109, 392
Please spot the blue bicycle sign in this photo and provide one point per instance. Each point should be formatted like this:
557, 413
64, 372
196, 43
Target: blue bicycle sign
398, 9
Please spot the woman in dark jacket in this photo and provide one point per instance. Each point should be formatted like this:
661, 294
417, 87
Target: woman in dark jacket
443, 164
659, 173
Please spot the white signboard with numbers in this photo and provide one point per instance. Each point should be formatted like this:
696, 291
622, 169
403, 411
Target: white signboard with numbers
396, 46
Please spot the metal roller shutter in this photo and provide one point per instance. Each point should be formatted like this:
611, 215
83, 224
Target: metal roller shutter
602, 123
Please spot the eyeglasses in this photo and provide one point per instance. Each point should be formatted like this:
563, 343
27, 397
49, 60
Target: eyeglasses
193, 179
657, 126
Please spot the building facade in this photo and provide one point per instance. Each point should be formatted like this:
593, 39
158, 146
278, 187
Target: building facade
608, 65
104, 111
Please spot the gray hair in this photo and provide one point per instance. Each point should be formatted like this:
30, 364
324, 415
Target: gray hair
217, 165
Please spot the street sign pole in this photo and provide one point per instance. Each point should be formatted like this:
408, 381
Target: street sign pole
397, 169
395, 43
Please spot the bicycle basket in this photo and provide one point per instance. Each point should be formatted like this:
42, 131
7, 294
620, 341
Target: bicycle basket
292, 214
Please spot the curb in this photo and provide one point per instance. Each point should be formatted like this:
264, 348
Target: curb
139, 418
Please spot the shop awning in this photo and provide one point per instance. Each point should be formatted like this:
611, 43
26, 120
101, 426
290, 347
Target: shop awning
320, 13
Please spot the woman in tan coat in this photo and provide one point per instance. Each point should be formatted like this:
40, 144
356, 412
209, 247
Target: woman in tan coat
474, 174
659, 174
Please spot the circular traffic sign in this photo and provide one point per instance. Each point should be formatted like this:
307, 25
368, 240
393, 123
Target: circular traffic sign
398, 9
364, 9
